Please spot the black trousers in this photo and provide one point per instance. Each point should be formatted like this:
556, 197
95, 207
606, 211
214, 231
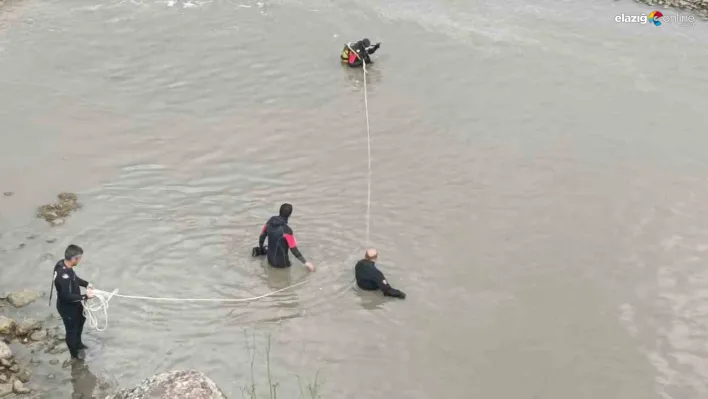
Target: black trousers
74, 319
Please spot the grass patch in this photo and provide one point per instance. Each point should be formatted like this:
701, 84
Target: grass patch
252, 391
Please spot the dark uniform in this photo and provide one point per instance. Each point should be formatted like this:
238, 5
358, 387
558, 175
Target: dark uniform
362, 49
369, 278
69, 298
280, 239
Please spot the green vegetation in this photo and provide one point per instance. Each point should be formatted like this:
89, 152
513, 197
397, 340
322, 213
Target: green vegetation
252, 392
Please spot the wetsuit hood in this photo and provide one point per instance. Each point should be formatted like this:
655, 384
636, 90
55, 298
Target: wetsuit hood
276, 221
366, 43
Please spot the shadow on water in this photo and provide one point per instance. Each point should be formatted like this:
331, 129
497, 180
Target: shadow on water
83, 381
370, 300
86, 385
275, 278
355, 76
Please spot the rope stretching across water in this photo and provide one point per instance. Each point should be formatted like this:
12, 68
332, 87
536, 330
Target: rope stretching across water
99, 303
368, 147
103, 297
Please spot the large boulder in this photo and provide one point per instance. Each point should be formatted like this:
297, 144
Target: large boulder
23, 298
173, 384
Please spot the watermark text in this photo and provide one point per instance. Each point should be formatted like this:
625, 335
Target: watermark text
656, 18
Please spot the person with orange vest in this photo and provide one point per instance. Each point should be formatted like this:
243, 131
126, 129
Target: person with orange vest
357, 53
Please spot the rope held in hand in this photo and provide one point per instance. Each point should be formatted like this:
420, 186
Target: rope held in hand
99, 303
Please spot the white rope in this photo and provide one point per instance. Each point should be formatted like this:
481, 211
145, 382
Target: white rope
368, 147
101, 299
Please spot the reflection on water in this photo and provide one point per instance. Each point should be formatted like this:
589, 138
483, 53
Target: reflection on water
355, 76
82, 380
86, 385
371, 300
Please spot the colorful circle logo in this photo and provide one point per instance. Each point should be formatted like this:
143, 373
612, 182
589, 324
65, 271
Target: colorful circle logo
654, 17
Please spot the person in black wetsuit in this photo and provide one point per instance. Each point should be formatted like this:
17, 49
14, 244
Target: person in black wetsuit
69, 298
362, 50
369, 278
280, 239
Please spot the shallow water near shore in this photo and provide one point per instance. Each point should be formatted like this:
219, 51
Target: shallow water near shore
539, 188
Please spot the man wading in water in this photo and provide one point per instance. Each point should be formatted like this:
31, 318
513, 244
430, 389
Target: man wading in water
280, 239
69, 299
369, 278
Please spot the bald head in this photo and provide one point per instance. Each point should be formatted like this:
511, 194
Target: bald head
371, 254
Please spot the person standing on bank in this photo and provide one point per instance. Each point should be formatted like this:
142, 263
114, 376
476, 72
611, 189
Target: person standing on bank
69, 298
280, 239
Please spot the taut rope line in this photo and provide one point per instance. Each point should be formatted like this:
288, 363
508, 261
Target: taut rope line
368, 147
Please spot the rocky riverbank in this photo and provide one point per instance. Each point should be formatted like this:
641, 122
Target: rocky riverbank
697, 7
26, 343
24, 335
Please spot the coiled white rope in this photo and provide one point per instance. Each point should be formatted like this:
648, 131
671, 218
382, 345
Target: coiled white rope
100, 300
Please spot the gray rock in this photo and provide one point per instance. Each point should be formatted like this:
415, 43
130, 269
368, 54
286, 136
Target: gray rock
57, 222
56, 333
27, 326
23, 298
54, 361
24, 375
39, 335
51, 377
5, 389
19, 387
5, 352
3, 378
174, 384
15, 368
7, 325
3, 295
5, 363
8, 193
58, 349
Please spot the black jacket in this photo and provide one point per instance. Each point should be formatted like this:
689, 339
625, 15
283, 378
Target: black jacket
280, 239
369, 278
362, 52
68, 284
